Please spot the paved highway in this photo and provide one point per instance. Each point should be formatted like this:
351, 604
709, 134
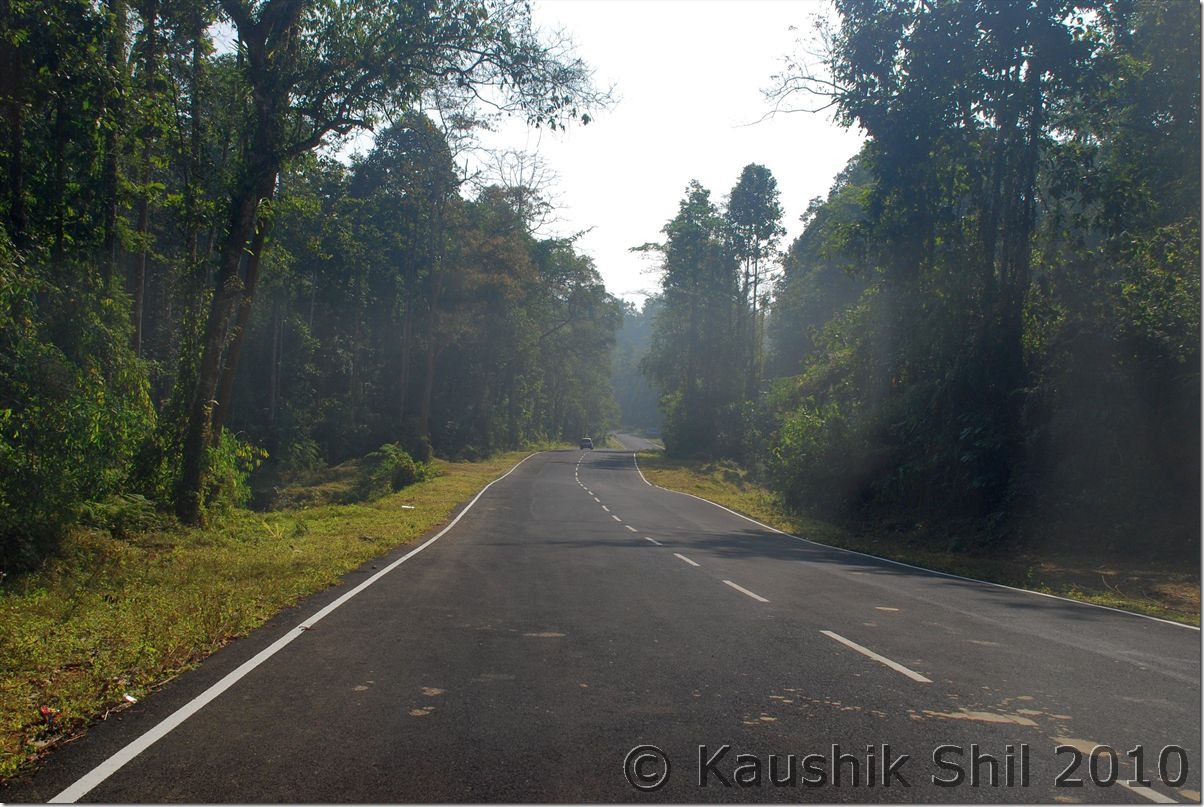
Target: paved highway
575, 612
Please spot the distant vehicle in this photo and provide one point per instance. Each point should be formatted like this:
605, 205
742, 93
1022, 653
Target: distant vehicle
586, 442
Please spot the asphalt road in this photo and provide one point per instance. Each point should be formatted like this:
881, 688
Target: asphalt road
575, 612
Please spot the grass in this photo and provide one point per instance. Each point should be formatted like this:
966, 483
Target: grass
114, 617
1162, 590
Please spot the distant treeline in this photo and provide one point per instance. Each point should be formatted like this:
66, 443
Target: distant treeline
185, 285
992, 322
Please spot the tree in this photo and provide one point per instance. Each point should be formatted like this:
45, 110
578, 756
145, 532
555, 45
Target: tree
754, 215
315, 71
823, 272
1006, 231
635, 396
695, 343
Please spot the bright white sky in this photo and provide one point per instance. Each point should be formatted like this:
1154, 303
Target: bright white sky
688, 77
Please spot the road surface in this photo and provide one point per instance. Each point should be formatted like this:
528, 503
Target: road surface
574, 612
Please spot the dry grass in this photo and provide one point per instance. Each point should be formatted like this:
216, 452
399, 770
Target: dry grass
1162, 590
113, 617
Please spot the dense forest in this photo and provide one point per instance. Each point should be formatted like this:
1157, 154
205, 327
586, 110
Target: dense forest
192, 286
992, 321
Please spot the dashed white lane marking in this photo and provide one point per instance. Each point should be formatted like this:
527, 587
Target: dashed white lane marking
865, 651
84, 785
599, 501
607, 509
932, 572
616, 518
1147, 793
653, 540
633, 529
743, 590
683, 557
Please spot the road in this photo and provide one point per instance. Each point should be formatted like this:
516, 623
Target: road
574, 612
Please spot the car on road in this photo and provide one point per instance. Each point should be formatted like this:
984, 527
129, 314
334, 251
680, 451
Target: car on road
587, 442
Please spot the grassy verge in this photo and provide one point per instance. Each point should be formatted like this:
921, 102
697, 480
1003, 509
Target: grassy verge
110, 618
1167, 591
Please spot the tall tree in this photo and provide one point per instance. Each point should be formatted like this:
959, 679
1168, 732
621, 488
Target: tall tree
754, 213
695, 343
316, 71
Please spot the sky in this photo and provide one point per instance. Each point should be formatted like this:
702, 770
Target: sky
688, 77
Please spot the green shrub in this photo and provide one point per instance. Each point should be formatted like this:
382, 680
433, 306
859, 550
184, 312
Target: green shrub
301, 455
230, 463
124, 514
386, 470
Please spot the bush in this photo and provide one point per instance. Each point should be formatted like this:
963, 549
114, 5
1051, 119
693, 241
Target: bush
124, 515
386, 470
230, 463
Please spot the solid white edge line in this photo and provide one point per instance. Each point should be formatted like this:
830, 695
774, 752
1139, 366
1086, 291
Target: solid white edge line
687, 560
865, 651
743, 590
104, 770
1147, 793
910, 566
641, 473
653, 540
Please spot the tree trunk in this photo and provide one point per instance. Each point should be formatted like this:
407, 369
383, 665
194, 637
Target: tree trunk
238, 334
59, 192
192, 224
256, 186
12, 98
407, 337
150, 69
113, 108
277, 355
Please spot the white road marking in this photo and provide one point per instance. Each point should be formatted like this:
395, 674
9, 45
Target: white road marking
607, 509
933, 572
616, 518
743, 590
633, 529
1147, 793
653, 540
865, 651
110, 766
599, 501
683, 557
641, 473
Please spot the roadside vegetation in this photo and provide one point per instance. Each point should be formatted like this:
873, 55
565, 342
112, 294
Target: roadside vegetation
196, 296
984, 347
122, 609
1145, 586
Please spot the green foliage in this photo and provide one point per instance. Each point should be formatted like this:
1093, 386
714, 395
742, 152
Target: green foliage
230, 463
386, 470
696, 351
124, 515
73, 407
1000, 297
635, 397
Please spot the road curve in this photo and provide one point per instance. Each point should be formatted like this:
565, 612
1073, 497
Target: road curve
576, 612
